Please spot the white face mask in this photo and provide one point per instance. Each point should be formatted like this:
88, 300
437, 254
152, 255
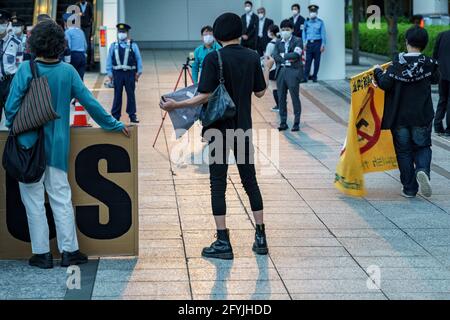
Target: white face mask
17, 31
295, 12
122, 36
286, 34
208, 39
261, 15
248, 9
313, 15
3, 28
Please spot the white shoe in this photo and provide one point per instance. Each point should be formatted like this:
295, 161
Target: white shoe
424, 184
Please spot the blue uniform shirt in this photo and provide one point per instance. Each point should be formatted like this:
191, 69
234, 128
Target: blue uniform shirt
76, 40
199, 55
123, 44
314, 30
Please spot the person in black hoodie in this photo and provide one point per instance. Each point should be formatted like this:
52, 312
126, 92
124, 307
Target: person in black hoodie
409, 112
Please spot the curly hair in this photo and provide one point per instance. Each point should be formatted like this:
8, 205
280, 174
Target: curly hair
47, 40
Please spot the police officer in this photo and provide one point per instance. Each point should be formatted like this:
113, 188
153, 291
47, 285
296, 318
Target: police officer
314, 41
76, 43
18, 27
124, 67
10, 46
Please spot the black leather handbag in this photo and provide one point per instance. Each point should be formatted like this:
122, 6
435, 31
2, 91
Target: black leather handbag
220, 105
25, 165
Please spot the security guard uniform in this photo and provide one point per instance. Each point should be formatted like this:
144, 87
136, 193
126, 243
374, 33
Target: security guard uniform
10, 46
124, 66
19, 23
314, 39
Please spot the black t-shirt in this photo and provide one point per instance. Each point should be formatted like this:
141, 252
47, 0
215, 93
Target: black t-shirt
243, 76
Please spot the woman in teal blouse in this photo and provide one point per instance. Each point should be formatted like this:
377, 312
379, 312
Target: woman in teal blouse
47, 42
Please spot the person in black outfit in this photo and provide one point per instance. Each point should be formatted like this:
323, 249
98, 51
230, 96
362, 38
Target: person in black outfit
249, 27
264, 24
243, 77
297, 20
409, 112
442, 54
87, 19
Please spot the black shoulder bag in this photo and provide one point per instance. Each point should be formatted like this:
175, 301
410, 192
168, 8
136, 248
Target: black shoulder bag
220, 105
25, 165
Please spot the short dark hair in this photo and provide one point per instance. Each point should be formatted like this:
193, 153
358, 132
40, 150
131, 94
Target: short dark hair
43, 17
286, 24
274, 29
207, 28
417, 37
296, 5
47, 40
249, 2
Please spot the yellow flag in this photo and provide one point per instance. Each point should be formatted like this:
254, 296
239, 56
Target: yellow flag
367, 148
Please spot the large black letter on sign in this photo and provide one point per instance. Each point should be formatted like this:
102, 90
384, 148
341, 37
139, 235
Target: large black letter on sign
113, 196
16, 216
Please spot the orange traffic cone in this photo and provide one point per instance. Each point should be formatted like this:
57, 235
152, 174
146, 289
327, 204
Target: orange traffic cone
80, 117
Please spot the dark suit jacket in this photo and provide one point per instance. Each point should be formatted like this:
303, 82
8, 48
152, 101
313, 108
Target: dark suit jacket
267, 23
294, 57
298, 30
88, 16
442, 54
251, 31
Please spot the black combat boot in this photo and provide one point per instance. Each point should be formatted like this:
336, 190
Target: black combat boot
42, 261
221, 248
73, 258
260, 245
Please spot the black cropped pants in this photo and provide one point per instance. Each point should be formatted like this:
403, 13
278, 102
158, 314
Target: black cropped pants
218, 169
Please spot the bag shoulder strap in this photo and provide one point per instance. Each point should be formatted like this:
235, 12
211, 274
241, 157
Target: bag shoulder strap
34, 71
221, 78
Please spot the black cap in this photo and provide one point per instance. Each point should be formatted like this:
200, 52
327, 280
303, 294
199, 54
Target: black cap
17, 22
227, 27
5, 15
313, 8
123, 27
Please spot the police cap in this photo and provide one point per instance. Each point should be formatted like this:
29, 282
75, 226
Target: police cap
123, 27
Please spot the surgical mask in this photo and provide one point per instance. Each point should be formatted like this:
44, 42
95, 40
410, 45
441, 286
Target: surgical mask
261, 15
122, 36
248, 9
286, 34
295, 12
3, 28
17, 30
208, 39
313, 15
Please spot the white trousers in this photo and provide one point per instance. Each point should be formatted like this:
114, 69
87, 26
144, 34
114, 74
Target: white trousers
56, 183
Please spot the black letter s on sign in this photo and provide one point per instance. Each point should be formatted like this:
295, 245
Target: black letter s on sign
114, 197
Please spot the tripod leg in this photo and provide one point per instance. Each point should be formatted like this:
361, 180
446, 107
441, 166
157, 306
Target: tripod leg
159, 131
190, 75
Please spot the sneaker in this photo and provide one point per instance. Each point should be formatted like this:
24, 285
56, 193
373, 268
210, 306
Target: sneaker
276, 109
296, 128
424, 184
407, 195
42, 261
283, 127
134, 120
221, 248
73, 258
